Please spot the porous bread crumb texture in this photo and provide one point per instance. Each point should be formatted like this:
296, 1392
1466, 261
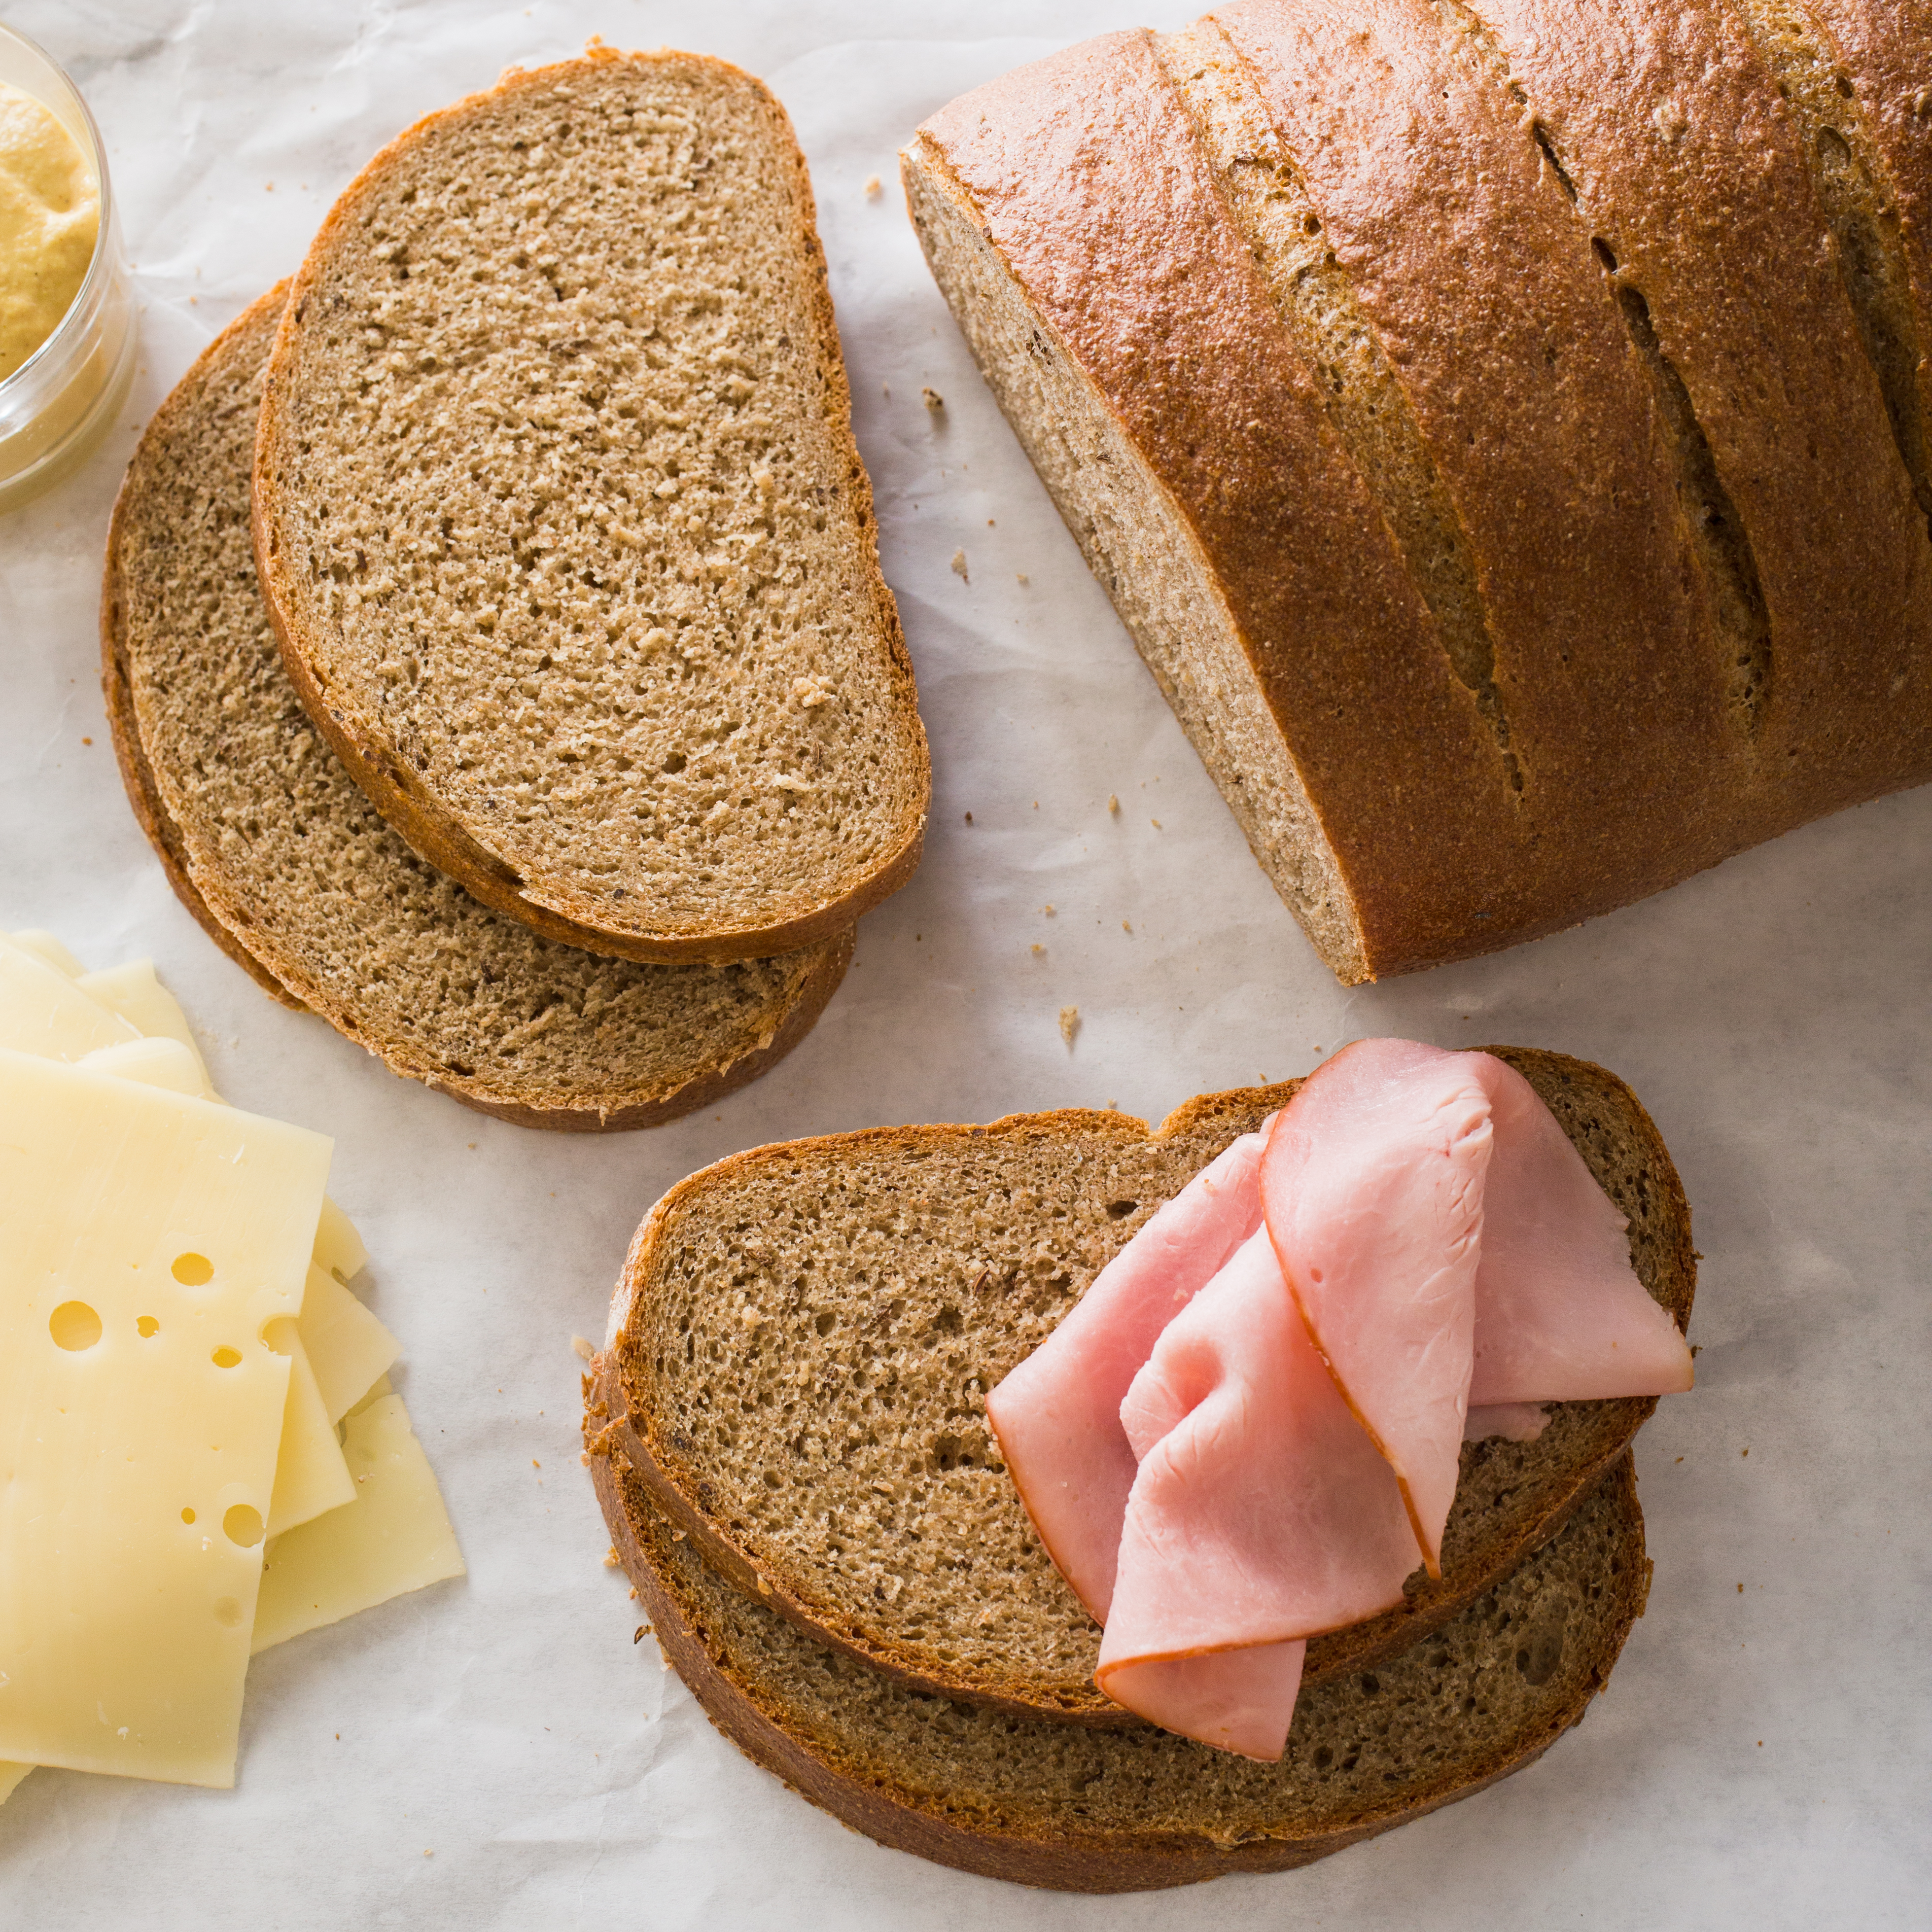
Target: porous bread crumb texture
811, 1334
1138, 544
299, 872
559, 476
1067, 1805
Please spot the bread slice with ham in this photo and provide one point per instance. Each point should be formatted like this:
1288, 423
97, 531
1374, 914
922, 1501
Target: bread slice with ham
805, 1336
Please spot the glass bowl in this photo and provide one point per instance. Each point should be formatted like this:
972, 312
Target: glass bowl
55, 406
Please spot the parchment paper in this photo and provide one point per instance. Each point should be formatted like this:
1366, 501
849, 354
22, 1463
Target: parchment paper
496, 1752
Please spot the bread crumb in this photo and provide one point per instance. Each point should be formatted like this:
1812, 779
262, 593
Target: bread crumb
1114, 803
1037, 947
959, 564
969, 818
1069, 1024
88, 741
582, 1346
1155, 823
534, 1464
871, 187
1023, 577
1125, 926
610, 1558
809, 693
1047, 910
932, 399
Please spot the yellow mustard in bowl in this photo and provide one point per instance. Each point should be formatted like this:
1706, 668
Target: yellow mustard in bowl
49, 222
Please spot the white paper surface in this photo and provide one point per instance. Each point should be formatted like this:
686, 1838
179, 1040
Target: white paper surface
496, 1753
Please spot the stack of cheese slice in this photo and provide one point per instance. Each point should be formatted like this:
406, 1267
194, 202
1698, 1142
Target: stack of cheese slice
200, 1453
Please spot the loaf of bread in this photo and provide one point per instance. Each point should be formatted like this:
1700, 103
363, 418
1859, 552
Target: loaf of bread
269, 844
1503, 426
563, 530
805, 1336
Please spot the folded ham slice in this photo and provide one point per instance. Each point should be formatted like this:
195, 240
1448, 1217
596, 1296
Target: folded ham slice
1251, 1424
1261, 1515
1560, 1315
1372, 1188
1058, 1415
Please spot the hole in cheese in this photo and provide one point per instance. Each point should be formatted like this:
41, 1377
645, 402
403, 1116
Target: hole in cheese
243, 1524
225, 1357
227, 1611
74, 1326
192, 1271
279, 1332
146, 1324
187, 1516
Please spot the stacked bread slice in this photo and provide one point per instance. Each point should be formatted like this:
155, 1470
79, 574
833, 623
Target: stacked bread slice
744, 777
787, 1431
1502, 425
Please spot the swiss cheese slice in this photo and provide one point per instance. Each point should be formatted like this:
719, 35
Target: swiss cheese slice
347, 1348
43, 1011
150, 1240
394, 1538
11, 1775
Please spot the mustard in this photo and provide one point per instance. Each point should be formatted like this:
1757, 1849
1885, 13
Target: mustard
49, 220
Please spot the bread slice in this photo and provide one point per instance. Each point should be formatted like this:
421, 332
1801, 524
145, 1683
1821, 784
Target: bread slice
804, 1335
289, 868
1045, 1803
563, 530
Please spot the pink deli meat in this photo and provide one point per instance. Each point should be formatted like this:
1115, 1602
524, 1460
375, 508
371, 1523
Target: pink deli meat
1058, 1415
1372, 1188
1251, 1424
1261, 1515
1560, 1315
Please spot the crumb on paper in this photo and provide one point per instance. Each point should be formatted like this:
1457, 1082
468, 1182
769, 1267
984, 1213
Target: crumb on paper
1037, 947
1127, 925
809, 693
1069, 1023
1047, 909
610, 1558
932, 398
1113, 1106
991, 525
969, 818
1155, 823
582, 1344
1114, 803
959, 566
1022, 576
871, 187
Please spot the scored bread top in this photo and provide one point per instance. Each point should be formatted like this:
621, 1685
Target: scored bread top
1042, 1802
563, 527
805, 1334
1618, 346
272, 847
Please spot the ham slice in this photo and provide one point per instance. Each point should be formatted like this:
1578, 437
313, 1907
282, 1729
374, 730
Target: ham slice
1252, 1422
1058, 1415
1261, 1515
1560, 1315
1372, 1187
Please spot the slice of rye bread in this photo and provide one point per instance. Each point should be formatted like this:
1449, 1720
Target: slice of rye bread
271, 847
802, 1343
1043, 1802
563, 529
